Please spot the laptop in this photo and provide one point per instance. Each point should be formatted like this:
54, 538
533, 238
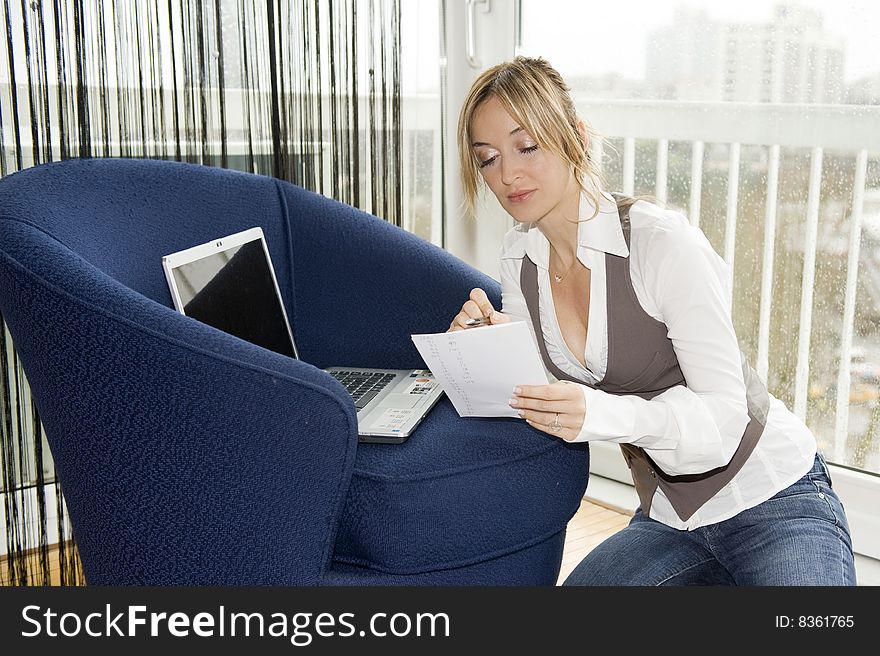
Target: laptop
229, 283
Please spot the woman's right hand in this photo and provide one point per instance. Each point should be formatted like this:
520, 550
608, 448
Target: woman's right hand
477, 306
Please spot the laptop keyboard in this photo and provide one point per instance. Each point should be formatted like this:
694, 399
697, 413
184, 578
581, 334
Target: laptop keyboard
362, 385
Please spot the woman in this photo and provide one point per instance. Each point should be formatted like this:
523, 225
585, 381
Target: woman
628, 304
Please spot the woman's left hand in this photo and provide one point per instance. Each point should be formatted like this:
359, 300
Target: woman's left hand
558, 409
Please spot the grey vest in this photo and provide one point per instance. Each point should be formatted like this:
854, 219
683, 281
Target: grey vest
642, 362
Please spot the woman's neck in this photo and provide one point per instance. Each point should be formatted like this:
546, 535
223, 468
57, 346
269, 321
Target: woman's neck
560, 227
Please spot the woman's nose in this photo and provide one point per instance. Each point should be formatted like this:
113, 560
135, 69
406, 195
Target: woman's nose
510, 171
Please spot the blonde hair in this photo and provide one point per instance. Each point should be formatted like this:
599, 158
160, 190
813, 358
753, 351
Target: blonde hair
537, 98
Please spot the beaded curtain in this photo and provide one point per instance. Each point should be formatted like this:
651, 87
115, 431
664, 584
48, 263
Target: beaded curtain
305, 91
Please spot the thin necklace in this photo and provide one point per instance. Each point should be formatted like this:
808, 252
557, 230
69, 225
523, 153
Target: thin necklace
560, 277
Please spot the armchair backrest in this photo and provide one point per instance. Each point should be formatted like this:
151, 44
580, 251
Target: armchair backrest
123, 215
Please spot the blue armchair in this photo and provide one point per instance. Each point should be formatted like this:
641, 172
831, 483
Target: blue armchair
188, 456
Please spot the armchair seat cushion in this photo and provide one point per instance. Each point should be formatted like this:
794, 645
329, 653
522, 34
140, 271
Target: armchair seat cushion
509, 485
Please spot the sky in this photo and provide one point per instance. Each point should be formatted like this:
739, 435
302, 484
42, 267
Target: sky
588, 41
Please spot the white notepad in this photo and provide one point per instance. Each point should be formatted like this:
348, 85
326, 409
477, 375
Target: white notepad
479, 367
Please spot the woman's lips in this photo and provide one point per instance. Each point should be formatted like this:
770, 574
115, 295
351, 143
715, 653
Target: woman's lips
521, 197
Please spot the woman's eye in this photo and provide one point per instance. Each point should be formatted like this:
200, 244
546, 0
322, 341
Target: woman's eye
527, 150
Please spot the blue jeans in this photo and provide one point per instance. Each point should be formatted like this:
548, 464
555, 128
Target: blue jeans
798, 537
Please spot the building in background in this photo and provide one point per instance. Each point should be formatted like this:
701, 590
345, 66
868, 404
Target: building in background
791, 59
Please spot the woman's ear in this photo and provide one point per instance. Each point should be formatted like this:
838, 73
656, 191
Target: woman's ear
585, 139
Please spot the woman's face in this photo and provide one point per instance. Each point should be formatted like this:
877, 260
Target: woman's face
527, 180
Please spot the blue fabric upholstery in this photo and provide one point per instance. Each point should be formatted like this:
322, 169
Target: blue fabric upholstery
188, 456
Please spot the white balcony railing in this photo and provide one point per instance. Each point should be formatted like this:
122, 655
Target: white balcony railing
843, 129
823, 132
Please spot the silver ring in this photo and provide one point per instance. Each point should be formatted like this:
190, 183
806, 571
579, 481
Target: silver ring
556, 426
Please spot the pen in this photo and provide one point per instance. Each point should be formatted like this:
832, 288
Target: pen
477, 322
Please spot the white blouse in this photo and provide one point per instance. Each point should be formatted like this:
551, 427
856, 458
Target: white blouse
681, 281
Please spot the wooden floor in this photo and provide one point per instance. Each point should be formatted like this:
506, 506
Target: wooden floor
35, 572
590, 525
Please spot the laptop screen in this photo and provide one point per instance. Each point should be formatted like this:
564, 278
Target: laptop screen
233, 288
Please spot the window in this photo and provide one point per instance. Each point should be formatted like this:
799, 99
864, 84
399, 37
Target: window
421, 118
772, 87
